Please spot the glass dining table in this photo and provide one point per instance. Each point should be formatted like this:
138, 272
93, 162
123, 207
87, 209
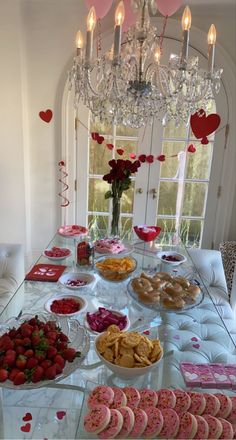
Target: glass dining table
198, 334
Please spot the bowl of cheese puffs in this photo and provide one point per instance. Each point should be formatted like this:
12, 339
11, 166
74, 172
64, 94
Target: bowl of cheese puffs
115, 269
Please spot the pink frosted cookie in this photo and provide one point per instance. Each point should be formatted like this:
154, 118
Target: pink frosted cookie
154, 423
202, 428
225, 405
114, 426
187, 426
109, 245
198, 403
212, 404
128, 421
133, 396
228, 432
170, 423
166, 399
183, 401
140, 423
119, 398
215, 426
97, 419
232, 417
147, 398
102, 394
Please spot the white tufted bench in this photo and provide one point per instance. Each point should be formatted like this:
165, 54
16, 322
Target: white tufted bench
11, 273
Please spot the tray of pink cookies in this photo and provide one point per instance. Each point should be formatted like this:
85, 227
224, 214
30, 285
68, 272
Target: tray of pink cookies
112, 246
128, 412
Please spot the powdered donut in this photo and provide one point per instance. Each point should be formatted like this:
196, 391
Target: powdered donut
128, 422
133, 397
170, 423
154, 423
148, 398
212, 404
198, 403
225, 405
166, 399
227, 432
97, 419
187, 426
114, 426
183, 401
119, 398
215, 426
102, 394
202, 428
140, 423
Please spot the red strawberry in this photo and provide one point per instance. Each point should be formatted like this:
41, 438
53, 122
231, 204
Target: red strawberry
31, 363
19, 378
6, 343
35, 338
59, 368
52, 351
51, 372
21, 362
40, 356
29, 353
58, 359
37, 374
18, 342
13, 373
20, 349
62, 346
46, 364
69, 354
12, 333
9, 358
63, 337
3, 374
26, 330
52, 325
27, 342
53, 335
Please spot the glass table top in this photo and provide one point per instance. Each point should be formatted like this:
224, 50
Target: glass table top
199, 335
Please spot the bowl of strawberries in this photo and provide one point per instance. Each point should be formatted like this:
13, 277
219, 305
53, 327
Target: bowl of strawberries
36, 350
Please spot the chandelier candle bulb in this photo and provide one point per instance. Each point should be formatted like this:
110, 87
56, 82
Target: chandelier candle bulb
91, 23
186, 25
119, 20
79, 43
211, 39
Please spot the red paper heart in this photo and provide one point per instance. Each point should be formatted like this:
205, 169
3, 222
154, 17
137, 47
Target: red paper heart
46, 116
100, 139
161, 158
196, 346
142, 158
194, 339
202, 125
26, 427
191, 148
150, 158
61, 415
132, 156
120, 151
146, 332
94, 136
27, 417
110, 146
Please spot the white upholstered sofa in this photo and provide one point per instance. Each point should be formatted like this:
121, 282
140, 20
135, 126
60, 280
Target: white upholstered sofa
11, 274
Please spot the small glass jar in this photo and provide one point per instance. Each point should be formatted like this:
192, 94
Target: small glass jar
84, 252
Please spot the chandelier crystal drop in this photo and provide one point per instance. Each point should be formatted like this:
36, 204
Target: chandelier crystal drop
129, 85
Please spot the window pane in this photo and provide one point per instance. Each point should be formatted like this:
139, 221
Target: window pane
128, 147
171, 131
194, 199
198, 166
169, 168
190, 232
97, 126
121, 130
98, 225
126, 227
97, 189
127, 200
167, 198
167, 225
99, 156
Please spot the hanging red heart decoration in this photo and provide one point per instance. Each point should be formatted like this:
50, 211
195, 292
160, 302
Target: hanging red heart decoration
142, 158
202, 125
110, 146
161, 158
132, 156
150, 158
94, 136
100, 139
120, 151
46, 116
191, 148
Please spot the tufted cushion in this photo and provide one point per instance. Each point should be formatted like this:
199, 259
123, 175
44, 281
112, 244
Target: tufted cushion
228, 252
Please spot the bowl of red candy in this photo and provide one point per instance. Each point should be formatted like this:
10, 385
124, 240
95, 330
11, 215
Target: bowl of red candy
147, 233
65, 305
57, 253
76, 280
101, 319
171, 257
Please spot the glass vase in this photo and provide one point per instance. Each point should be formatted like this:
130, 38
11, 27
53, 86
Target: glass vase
115, 216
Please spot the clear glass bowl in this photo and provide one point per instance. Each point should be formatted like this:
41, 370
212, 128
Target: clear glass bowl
115, 276
78, 336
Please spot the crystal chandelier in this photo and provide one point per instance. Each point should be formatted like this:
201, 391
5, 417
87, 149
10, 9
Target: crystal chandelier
129, 85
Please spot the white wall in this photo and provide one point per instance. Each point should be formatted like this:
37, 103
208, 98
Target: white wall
36, 49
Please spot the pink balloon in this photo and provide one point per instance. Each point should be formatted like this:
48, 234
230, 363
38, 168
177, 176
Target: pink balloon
129, 16
168, 7
101, 6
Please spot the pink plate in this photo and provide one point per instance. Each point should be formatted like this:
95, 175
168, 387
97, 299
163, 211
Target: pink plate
72, 230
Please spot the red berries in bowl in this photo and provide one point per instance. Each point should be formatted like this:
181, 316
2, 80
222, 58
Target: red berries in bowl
57, 253
65, 305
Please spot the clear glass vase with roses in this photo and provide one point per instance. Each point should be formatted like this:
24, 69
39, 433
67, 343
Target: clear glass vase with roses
120, 179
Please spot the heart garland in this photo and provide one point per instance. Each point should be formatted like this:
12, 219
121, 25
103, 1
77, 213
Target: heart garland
202, 125
46, 116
